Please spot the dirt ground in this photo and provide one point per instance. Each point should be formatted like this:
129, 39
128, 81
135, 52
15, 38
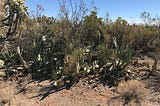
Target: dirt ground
34, 92
81, 95
24, 92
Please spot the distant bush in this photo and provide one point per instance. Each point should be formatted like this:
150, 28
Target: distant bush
147, 39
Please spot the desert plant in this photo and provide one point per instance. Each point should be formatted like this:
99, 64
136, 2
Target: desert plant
75, 64
131, 92
16, 12
48, 57
119, 59
147, 39
122, 31
23, 62
7, 55
91, 32
3, 101
155, 58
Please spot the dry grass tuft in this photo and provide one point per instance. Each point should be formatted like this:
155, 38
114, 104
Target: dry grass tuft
3, 101
131, 92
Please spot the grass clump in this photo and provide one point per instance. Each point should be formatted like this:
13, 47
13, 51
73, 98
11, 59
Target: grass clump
131, 92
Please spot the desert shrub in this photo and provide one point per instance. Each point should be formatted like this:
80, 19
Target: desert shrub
131, 91
3, 101
72, 66
80, 63
91, 32
147, 40
122, 31
103, 54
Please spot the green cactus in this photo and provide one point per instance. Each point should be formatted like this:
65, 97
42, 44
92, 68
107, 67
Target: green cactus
121, 56
16, 13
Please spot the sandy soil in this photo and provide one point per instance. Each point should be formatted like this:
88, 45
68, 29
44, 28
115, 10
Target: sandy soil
41, 94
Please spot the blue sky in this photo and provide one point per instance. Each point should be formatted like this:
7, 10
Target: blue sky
127, 9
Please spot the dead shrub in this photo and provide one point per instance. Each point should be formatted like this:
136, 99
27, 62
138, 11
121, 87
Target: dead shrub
131, 92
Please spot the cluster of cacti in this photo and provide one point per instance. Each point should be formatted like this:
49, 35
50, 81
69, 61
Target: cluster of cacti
51, 56
116, 67
62, 49
47, 57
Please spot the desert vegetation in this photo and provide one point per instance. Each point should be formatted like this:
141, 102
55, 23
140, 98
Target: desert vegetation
77, 45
